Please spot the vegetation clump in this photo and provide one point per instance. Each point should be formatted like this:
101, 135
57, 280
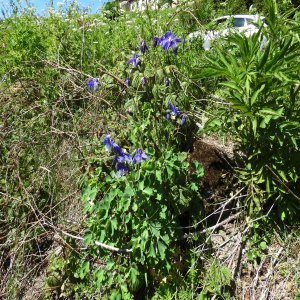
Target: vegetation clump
131, 171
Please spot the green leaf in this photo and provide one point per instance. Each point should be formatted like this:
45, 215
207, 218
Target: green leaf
151, 251
264, 57
170, 171
158, 176
233, 86
124, 204
265, 121
199, 170
134, 207
271, 112
162, 250
129, 191
141, 185
282, 175
99, 276
213, 124
89, 194
155, 231
84, 269
202, 296
148, 191
255, 94
263, 245
115, 295
134, 273
114, 225
194, 187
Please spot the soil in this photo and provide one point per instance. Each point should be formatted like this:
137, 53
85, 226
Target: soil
217, 161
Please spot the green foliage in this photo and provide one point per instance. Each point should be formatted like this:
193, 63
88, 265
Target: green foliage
260, 80
217, 281
52, 129
142, 210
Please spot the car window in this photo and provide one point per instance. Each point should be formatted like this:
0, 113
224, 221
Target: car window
220, 21
238, 22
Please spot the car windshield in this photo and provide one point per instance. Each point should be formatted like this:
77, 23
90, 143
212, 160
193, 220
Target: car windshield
238, 22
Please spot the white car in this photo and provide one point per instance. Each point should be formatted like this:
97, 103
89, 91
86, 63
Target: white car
246, 24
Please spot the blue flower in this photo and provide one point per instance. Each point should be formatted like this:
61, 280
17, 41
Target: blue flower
183, 120
127, 81
122, 157
123, 160
143, 46
156, 41
167, 82
144, 81
108, 142
174, 110
93, 84
122, 169
117, 148
139, 156
134, 60
169, 40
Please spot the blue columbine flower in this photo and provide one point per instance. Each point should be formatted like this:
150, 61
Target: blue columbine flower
134, 60
156, 41
139, 156
174, 110
122, 169
167, 82
143, 46
169, 40
108, 142
93, 84
122, 157
144, 81
117, 148
123, 160
127, 81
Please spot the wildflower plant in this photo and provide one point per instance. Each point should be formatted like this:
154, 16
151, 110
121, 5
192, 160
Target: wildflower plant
169, 40
122, 159
143, 46
137, 182
93, 84
134, 60
141, 195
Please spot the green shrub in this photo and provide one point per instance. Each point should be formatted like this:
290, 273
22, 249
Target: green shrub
261, 84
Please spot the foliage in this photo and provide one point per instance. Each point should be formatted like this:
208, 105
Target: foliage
260, 79
68, 80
